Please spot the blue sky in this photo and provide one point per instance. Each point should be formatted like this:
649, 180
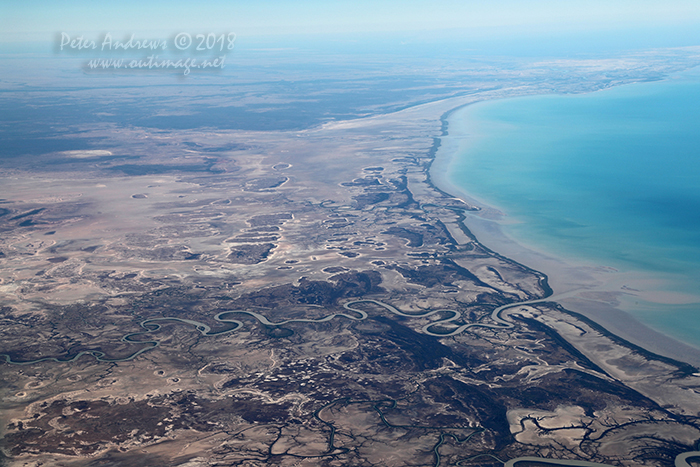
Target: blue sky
34, 19
655, 23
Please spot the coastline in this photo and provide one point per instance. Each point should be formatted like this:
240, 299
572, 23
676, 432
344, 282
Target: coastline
594, 291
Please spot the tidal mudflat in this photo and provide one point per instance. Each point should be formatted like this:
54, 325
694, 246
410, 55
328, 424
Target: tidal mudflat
599, 190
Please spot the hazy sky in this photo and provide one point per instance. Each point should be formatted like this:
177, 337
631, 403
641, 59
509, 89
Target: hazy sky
37, 20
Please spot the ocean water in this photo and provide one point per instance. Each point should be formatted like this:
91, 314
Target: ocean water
609, 178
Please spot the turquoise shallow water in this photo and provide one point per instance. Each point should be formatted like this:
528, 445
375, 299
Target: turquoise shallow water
611, 178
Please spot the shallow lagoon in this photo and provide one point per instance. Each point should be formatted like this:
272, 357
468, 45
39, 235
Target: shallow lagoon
606, 179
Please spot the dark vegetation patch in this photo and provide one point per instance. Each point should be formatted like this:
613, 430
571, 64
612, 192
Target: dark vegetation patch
436, 275
253, 253
29, 222
369, 199
367, 181
415, 239
225, 147
345, 285
85, 426
277, 332
26, 214
57, 259
572, 387
423, 234
266, 183
168, 253
426, 352
477, 402
335, 269
558, 342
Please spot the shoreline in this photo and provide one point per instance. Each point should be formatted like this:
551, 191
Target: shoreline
600, 306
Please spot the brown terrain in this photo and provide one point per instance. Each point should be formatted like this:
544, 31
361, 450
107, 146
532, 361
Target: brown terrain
298, 298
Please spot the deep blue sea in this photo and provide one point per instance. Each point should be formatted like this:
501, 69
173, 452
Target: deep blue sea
610, 177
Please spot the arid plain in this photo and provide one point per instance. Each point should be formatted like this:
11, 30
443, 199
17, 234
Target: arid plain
303, 297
